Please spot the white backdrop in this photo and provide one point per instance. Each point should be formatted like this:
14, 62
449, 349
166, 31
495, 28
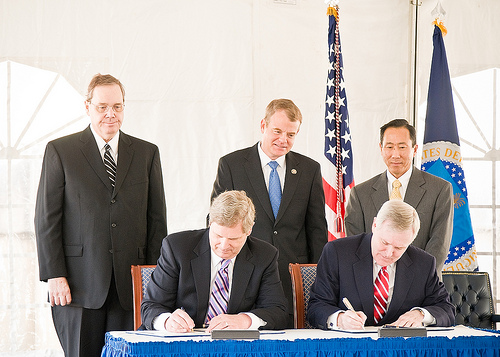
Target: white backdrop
198, 75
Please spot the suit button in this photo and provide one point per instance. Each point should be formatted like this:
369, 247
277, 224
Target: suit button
275, 233
113, 200
113, 225
111, 251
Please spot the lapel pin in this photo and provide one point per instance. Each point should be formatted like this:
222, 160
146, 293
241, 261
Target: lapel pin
293, 171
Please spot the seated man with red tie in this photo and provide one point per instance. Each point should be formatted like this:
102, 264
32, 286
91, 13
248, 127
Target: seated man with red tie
379, 278
219, 277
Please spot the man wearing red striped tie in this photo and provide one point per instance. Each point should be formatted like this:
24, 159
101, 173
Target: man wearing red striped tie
379, 278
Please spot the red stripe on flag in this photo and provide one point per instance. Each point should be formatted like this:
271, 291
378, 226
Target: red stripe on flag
330, 196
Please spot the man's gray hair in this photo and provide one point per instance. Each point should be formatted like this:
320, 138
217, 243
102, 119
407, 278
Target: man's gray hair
400, 216
232, 207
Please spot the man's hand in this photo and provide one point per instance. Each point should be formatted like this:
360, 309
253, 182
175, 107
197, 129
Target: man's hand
235, 322
411, 318
59, 292
351, 320
179, 321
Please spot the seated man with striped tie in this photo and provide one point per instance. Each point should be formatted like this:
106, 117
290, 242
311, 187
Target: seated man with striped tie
379, 278
219, 277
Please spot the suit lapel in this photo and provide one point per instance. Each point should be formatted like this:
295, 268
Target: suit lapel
415, 192
91, 152
402, 285
201, 275
363, 271
380, 194
254, 173
125, 155
292, 177
242, 272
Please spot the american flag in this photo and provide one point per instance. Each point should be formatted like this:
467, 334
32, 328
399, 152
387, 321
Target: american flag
338, 178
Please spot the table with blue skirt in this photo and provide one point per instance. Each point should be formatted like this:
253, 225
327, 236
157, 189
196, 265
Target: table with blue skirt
456, 341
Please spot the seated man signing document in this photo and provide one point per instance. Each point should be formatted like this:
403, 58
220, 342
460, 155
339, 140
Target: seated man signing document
383, 277
219, 277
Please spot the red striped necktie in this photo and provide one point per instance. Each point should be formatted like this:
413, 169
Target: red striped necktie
381, 293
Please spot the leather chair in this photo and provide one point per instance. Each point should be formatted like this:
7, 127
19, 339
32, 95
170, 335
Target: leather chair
303, 276
141, 276
470, 293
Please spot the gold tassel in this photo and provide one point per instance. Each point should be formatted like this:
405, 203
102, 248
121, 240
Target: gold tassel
440, 24
332, 11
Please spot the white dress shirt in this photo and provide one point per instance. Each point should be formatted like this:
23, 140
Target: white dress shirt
404, 180
113, 144
266, 169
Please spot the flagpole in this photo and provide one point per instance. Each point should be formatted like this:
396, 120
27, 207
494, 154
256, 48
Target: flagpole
338, 178
412, 90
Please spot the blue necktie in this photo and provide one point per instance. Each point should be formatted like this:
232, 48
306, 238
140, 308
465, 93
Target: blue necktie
274, 188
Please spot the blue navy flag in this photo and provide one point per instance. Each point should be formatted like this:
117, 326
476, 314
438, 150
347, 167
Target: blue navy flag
338, 178
442, 157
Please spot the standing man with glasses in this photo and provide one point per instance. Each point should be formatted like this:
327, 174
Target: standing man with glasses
286, 188
100, 208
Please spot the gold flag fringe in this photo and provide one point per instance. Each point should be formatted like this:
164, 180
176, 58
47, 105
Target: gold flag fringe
440, 24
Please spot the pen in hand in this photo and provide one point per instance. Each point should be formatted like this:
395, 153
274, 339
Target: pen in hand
347, 304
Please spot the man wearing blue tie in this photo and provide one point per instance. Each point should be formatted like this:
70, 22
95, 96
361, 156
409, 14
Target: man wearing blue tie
219, 277
286, 188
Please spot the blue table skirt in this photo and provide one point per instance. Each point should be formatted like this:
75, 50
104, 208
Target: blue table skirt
359, 347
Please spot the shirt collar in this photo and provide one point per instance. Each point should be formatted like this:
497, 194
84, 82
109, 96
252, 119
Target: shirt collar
264, 159
216, 260
377, 267
404, 179
113, 143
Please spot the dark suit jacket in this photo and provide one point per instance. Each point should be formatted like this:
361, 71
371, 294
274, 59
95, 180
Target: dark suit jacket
345, 269
84, 229
299, 231
432, 198
182, 279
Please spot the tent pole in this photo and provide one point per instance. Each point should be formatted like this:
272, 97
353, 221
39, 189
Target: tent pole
412, 87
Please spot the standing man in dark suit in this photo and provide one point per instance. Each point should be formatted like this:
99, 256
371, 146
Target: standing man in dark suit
386, 280
430, 195
197, 266
296, 225
100, 208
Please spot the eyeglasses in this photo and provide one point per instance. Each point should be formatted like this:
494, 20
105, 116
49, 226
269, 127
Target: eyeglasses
101, 108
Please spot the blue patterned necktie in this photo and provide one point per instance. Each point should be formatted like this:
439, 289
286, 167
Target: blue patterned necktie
110, 164
220, 292
274, 188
